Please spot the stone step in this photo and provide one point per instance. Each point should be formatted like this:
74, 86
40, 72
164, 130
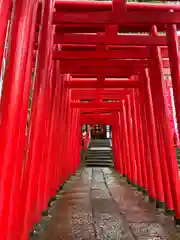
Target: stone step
99, 151
100, 146
100, 141
99, 157
99, 165
99, 160
99, 154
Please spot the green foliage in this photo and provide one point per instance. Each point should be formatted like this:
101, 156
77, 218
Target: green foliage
84, 128
30, 98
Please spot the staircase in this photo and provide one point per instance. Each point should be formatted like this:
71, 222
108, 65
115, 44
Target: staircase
99, 154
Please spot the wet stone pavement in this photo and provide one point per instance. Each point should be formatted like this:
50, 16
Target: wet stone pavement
98, 204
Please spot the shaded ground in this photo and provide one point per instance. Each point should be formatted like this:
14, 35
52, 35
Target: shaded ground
98, 204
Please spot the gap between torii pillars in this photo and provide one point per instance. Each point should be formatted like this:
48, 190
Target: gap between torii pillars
174, 60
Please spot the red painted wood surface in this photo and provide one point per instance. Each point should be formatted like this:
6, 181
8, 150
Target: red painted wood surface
92, 52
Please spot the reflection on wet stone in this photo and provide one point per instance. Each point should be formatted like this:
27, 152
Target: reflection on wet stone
99, 204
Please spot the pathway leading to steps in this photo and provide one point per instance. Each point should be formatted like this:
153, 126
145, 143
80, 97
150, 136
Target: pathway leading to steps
98, 204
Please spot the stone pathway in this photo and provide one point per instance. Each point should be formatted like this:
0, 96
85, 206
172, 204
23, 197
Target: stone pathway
98, 204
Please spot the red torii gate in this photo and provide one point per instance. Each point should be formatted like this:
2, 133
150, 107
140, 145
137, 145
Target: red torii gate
101, 67
84, 46
106, 119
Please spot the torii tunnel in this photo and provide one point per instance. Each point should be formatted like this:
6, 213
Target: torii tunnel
69, 63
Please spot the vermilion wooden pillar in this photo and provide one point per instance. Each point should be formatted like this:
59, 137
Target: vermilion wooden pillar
136, 139
174, 61
22, 138
62, 133
121, 145
56, 144
62, 140
147, 152
78, 142
43, 157
71, 126
165, 175
71, 141
153, 140
48, 115
49, 92
123, 142
130, 141
78, 151
158, 87
76, 160
50, 169
72, 144
126, 140
14, 112
56, 167
46, 173
74, 127
142, 147
67, 137
116, 144
28, 213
